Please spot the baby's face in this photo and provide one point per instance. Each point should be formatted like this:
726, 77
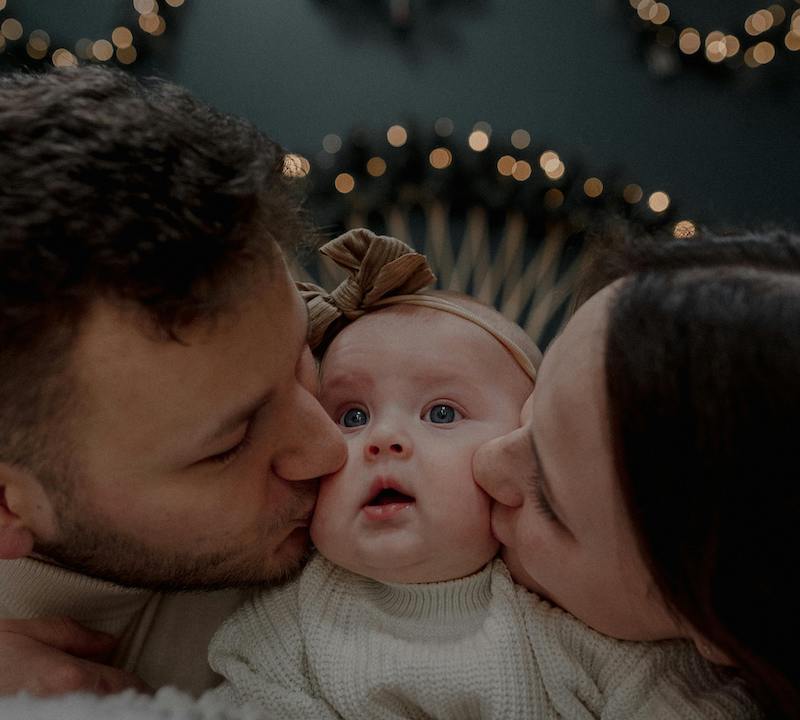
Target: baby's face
415, 391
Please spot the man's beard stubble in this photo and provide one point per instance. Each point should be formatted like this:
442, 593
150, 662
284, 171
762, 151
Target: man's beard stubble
86, 543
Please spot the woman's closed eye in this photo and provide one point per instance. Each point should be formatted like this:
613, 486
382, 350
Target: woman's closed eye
442, 414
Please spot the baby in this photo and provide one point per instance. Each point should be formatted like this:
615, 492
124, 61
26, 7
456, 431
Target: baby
405, 612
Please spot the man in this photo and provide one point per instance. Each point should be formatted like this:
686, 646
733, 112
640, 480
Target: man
159, 431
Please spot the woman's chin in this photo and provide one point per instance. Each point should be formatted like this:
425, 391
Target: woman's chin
520, 575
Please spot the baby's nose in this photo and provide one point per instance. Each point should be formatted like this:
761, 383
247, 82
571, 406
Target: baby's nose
394, 448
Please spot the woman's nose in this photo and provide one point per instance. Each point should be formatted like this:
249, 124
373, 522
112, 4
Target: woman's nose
496, 469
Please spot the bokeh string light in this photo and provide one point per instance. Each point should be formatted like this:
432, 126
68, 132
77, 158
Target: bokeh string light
120, 45
364, 173
755, 43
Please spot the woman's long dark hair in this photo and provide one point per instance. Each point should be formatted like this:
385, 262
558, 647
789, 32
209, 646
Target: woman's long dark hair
703, 379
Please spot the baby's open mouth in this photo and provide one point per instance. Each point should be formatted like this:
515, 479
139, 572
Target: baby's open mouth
388, 496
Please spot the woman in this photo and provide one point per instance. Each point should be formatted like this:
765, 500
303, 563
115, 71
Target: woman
652, 490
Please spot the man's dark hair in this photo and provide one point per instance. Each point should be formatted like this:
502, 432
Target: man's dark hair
123, 190
703, 379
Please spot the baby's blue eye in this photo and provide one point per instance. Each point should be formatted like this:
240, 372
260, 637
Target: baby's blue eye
354, 417
443, 414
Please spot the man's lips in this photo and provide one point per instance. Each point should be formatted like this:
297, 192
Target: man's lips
386, 497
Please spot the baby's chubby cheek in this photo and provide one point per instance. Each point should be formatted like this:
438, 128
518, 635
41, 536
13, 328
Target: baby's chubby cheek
328, 513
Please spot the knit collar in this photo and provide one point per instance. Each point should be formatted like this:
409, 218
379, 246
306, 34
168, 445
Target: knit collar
30, 587
450, 601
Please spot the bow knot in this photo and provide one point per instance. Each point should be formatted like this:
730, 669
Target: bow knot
378, 266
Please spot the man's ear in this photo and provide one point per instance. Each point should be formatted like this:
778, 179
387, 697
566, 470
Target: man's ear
23, 506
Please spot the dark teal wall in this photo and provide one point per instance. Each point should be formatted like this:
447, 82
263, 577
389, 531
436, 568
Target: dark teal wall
727, 152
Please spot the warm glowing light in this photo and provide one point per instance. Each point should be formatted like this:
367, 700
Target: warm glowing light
793, 41
2, 4
716, 51
548, 160
145, 7
593, 187
36, 52
632, 193
520, 139
689, 41
11, 29
83, 49
161, 27
127, 55
505, 165
397, 136
332, 143
646, 9
684, 229
661, 14
764, 52
521, 171
483, 126
122, 37
732, 45
175, 3
344, 183
748, 26
634, 3
295, 165
2, 43
749, 58
376, 166
555, 172
149, 22
762, 21
778, 14
64, 58
440, 158
478, 140
553, 199
714, 36
658, 201
444, 127
796, 21
39, 41
102, 50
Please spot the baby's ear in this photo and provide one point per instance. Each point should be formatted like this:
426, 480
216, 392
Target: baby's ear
23, 507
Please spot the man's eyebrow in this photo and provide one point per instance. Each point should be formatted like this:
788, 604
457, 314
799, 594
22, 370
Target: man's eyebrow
545, 483
238, 417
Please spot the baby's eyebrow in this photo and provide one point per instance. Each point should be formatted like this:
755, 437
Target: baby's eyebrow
348, 379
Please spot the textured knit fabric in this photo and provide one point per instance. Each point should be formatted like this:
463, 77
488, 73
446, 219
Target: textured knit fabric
166, 704
337, 645
164, 638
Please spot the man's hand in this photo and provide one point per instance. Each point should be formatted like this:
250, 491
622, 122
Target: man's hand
51, 656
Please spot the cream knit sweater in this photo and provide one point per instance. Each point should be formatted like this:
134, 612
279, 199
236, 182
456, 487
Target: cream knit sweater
333, 644
164, 638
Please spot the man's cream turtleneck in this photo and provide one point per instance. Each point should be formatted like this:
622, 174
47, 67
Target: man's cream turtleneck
163, 637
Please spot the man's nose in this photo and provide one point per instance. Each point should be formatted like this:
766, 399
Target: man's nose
315, 446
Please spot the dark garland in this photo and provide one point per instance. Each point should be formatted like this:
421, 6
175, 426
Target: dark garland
38, 46
471, 179
658, 44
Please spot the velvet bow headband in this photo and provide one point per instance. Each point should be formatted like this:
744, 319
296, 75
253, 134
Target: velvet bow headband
383, 271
